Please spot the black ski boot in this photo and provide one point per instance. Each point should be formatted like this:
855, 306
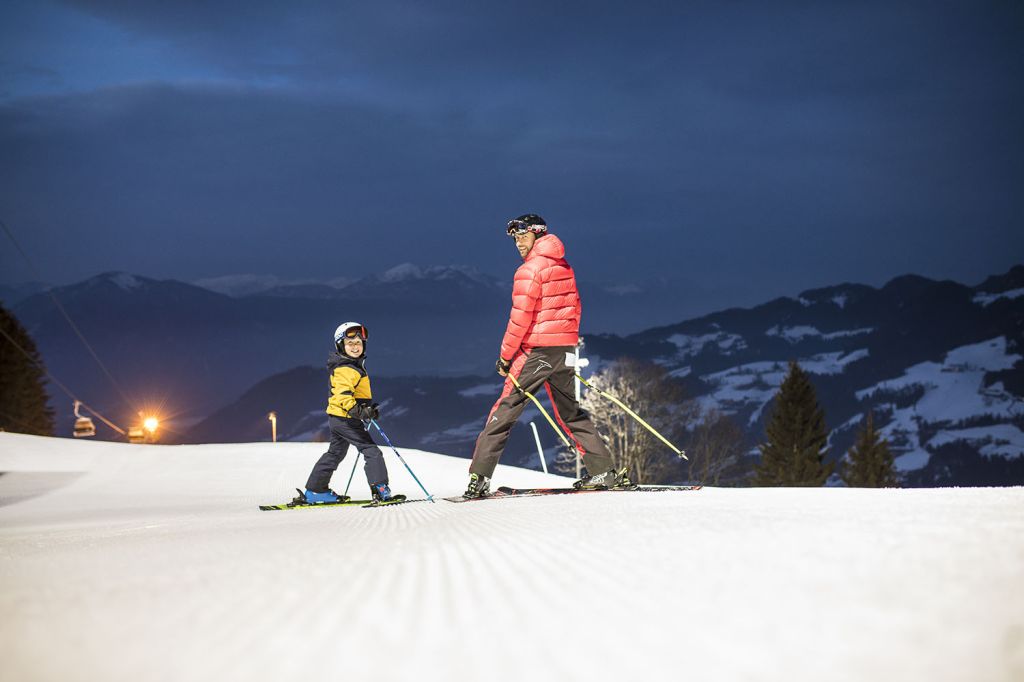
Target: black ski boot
479, 486
613, 478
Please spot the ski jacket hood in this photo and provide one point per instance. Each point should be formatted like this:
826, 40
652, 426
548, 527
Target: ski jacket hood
336, 359
545, 301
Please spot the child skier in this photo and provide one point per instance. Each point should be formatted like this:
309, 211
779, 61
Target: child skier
349, 405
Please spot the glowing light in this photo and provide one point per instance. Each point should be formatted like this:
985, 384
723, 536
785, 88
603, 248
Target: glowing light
151, 424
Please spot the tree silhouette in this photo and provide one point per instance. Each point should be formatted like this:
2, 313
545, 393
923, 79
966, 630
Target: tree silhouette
795, 450
23, 398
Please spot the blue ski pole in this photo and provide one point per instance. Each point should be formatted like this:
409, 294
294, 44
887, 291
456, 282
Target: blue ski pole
388, 441
345, 494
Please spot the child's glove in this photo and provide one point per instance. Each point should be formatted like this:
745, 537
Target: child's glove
366, 412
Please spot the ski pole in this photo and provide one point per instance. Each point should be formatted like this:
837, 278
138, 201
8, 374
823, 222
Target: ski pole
393, 448
345, 494
634, 415
544, 412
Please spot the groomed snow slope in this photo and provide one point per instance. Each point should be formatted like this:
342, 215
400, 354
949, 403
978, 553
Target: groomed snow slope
152, 563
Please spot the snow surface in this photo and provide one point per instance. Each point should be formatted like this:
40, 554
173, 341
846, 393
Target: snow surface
124, 562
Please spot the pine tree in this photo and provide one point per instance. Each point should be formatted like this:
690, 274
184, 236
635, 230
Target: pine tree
869, 462
23, 399
795, 451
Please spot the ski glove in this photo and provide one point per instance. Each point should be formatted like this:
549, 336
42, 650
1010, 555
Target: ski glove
366, 412
502, 365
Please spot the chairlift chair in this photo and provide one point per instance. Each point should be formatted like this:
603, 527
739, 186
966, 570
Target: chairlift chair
84, 427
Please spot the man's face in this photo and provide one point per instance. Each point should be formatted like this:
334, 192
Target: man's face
524, 242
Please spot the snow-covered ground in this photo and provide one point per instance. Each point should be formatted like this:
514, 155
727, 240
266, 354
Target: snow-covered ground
153, 563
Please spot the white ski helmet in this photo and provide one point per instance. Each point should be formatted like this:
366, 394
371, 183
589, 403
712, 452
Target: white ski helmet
349, 330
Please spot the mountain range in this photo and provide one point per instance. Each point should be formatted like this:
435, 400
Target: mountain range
939, 362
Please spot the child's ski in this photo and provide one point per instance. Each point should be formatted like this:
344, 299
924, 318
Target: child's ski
365, 504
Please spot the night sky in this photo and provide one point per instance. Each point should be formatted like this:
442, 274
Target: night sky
751, 148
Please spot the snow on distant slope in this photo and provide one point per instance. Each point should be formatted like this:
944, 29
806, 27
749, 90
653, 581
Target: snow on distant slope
153, 563
755, 384
985, 299
690, 345
952, 393
800, 332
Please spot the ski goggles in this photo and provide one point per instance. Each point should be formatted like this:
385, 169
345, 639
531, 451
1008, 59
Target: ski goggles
355, 333
517, 228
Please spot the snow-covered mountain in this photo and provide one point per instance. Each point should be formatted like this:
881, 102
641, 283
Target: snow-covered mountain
940, 363
136, 562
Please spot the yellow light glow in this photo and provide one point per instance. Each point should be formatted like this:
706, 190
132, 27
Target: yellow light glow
151, 424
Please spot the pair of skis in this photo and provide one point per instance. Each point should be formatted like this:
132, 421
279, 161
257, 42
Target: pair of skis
501, 493
505, 492
365, 504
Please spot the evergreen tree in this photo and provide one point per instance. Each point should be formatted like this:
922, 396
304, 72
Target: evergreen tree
869, 462
795, 451
23, 399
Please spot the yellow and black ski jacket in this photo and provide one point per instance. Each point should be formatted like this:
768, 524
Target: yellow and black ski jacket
350, 384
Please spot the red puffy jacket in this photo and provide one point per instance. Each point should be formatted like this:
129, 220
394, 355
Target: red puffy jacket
545, 302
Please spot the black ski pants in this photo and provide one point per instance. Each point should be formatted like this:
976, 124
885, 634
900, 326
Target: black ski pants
551, 368
345, 432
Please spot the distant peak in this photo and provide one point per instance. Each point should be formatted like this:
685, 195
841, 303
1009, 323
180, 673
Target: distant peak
839, 295
121, 280
402, 272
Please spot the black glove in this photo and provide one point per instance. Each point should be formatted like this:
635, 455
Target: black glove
366, 412
502, 365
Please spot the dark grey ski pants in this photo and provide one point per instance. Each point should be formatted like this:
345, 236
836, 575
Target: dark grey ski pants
545, 367
345, 432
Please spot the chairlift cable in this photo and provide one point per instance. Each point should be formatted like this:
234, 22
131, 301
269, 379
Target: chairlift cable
74, 327
60, 384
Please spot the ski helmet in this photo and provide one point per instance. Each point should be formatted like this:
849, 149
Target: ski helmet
349, 330
529, 222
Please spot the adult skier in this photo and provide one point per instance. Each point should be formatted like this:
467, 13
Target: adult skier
350, 403
538, 349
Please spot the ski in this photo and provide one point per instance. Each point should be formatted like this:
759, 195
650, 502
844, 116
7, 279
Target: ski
294, 505
459, 498
505, 491
511, 492
364, 504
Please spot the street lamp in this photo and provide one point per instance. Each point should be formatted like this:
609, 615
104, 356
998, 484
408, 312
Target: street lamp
273, 426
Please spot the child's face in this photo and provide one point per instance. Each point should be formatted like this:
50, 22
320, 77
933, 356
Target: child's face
354, 347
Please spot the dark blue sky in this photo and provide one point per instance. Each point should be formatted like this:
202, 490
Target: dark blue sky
753, 149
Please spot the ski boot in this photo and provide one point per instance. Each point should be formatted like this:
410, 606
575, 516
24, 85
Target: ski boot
479, 486
613, 478
382, 494
326, 497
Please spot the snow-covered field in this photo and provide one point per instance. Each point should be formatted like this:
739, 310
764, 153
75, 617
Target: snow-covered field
123, 562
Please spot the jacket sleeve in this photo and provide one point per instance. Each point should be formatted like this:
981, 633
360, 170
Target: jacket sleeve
526, 290
343, 387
